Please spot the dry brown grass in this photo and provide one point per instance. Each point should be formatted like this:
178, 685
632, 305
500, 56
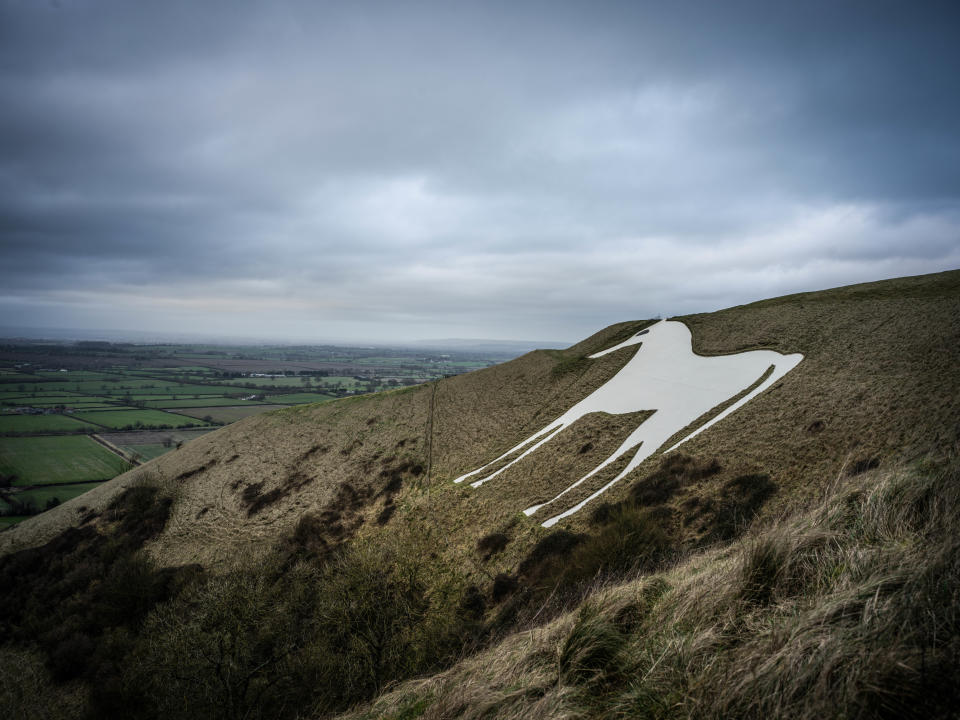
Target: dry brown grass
878, 381
323, 453
334, 460
846, 609
481, 415
789, 614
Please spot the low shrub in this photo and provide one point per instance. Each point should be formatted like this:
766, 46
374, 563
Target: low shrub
847, 609
305, 638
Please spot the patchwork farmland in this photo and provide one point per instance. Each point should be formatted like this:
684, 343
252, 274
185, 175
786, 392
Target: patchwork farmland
73, 415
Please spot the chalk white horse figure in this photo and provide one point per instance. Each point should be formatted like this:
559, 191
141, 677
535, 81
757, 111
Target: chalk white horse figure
665, 376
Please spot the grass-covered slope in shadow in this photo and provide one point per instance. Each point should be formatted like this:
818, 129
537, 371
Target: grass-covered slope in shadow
846, 608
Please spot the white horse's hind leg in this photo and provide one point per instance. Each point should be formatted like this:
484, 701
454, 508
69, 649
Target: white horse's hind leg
554, 426
621, 451
521, 456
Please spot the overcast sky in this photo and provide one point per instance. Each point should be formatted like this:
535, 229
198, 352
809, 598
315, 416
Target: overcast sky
522, 170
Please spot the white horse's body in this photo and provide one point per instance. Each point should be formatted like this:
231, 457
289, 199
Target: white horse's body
667, 377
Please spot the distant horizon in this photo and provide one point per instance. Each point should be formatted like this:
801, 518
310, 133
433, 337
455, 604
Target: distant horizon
379, 172
143, 337
63, 334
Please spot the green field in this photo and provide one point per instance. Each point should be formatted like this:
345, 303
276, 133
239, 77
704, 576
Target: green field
115, 385
346, 381
41, 495
127, 439
29, 390
129, 385
20, 398
117, 419
149, 398
228, 414
185, 390
41, 423
146, 452
286, 381
66, 458
8, 520
200, 402
201, 369
298, 398
50, 401
96, 405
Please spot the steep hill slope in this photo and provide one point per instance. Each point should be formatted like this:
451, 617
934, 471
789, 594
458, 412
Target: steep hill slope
293, 517
878, 382
239, 489
844, 609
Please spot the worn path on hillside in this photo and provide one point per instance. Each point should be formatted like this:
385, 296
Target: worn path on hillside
665, 376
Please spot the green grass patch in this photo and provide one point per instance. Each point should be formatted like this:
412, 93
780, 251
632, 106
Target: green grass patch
53, 400
40, 496
286, 381
298, 398
30, 394
10, 520
15, 377
152, 397
95, 406
117, 419
68, 458
152, 437
200, 402
185, 390
130, 385
227, 415
41, 423
146, 452
334, 380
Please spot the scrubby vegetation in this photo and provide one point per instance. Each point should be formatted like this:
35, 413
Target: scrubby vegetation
845, 609
782, 564
258, 643
81, 598
645, 532
296, 633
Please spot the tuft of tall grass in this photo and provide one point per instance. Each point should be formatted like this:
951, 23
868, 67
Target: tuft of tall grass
846, 609
590, 649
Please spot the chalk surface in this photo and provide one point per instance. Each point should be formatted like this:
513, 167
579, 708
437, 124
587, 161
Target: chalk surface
664, 376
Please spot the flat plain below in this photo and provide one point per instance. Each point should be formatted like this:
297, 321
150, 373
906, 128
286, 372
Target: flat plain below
42, 423
60, 459
227, 415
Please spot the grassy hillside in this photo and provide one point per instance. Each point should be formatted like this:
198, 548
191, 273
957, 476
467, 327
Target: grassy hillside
244, 487
330, 543
845, 608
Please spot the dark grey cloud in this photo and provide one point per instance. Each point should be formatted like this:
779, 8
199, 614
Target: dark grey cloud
379, 169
